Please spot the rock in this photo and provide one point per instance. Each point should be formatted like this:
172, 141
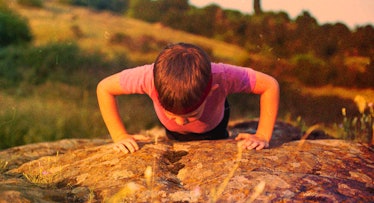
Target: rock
78, 170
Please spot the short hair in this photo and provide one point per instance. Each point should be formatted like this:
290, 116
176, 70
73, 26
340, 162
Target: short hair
182, 77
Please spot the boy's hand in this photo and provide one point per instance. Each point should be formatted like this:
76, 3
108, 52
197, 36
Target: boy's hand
127, 145
251, 141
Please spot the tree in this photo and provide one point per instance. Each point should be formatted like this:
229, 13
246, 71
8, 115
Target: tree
257, 7
146, 10
173, 12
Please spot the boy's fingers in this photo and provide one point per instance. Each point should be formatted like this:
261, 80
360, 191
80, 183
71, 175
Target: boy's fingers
126, 146
258, 145
252, 145
261, 145
124, 149
134, 145
247, 144
131, 146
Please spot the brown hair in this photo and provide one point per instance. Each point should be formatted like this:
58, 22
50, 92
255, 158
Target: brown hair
182, 77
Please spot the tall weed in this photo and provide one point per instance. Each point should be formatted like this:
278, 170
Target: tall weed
359, 128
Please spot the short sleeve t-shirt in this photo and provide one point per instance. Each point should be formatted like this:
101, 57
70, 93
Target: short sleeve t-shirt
231, 79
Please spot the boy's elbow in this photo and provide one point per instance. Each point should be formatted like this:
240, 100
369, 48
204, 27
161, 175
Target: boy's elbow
101, 87
275, 84
275, 87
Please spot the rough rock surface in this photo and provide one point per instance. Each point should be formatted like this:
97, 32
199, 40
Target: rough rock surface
76, 170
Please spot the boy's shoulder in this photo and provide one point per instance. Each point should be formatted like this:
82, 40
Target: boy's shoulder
138, 71
228, 68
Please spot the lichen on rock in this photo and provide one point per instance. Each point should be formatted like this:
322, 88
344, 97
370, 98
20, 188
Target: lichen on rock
324, 170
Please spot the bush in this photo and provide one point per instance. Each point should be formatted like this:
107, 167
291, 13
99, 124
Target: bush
310, 70
31, 3
9, 61
118, 6
13, 28
61, 62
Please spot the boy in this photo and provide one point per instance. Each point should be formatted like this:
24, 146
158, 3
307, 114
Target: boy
189, 96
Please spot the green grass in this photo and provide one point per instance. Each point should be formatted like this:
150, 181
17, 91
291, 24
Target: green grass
50, 112
55, 111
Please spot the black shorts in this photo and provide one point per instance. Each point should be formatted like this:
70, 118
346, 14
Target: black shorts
219, 132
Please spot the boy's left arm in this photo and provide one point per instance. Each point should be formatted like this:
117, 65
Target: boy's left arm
268, 89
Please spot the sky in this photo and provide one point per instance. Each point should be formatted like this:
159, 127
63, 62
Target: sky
350, 12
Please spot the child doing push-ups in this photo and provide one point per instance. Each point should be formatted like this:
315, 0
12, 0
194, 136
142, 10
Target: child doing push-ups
189, 94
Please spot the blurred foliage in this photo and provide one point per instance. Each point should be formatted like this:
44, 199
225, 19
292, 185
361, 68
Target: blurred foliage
48, 93
310, 69
58, 62
361, 127
31, 3
48, 112
325, 45
13, 28
117, 6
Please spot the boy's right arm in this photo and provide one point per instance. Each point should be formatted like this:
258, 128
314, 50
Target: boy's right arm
107, 90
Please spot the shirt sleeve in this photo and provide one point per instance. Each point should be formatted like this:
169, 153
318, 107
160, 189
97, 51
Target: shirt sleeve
239, 79
138, 80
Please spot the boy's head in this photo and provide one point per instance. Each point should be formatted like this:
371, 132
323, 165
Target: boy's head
182, 77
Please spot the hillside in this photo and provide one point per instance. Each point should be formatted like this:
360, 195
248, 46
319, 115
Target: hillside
94, 30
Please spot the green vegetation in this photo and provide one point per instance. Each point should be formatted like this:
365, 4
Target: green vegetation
58, 62
117, 6
13, 28
361, 127
31, 3
49, 112
328, 45
49, 93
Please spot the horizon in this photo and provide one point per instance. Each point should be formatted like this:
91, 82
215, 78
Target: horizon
361, 10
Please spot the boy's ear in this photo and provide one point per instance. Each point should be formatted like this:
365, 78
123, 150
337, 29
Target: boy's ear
214, 87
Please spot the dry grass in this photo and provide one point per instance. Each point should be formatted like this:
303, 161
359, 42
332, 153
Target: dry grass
344, 93
47, 172
3, 165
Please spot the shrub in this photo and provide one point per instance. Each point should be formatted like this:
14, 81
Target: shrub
118, 6
31, 3
9, 60
61, 62
13, 28
310, 70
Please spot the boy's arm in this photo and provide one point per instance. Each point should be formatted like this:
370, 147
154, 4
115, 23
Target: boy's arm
107, 90
268, 89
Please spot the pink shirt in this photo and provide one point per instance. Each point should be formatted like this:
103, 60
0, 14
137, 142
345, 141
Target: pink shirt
230, 78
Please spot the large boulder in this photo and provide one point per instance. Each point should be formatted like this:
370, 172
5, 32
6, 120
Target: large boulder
77, 170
